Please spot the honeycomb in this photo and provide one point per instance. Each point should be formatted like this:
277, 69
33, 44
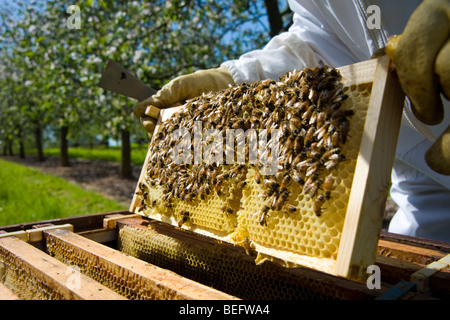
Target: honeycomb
23, 281
227, 269
119, 280
208, 215
295, 215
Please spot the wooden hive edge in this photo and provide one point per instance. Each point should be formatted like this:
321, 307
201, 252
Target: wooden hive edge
363, 221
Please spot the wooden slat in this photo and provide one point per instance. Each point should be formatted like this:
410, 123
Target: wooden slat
120, 268
363, 220
416, 241
80, 223
34, 264
407, 252
359, 73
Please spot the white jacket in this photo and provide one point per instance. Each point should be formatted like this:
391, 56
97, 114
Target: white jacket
337, 33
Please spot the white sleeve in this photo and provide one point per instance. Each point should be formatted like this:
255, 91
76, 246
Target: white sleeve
317, 36
283, 53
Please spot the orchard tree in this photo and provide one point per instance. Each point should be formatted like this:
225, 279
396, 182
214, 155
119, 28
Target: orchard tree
59, 55
157, 41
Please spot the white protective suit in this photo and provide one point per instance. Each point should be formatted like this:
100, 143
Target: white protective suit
336, 33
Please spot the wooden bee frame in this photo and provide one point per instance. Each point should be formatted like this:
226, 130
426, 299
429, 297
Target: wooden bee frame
365, 209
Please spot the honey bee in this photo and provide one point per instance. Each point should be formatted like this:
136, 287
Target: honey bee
320, 121
275, 202
308, 113
286, 180
257, 113
327, 187
284, 126
184, 217
227, 209
288, 208
143, 187
344, 128
305, 105
313, 118
238, 124
331, 164
233, 173
279, 175
277, 115
312, 169
297, 178
242, 184
318, 203
312, 185
257, 177
304, 94
141, 193
303, 165
298, 143
331, 154
142, 207
295, 125
340, 114
254, 122
263, 215
339, 96
334, 73
334, 139
309, 137
270, 184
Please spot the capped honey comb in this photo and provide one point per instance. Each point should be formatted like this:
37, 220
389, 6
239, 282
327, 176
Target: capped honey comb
294, 214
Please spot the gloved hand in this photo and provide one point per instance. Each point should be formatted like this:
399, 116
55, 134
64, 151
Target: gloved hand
181, 89
422, 59
438, 156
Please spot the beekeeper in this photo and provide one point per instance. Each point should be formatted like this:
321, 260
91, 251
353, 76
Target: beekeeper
338, 33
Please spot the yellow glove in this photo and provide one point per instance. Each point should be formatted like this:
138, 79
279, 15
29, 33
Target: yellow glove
186, 87
438, 156
422, 59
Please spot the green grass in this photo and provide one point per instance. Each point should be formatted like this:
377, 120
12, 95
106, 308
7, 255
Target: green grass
27, 195
99, 153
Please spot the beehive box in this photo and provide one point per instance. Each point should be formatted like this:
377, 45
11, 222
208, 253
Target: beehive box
119, 255
327, 213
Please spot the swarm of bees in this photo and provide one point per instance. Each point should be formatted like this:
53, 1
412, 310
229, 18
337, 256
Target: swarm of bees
304, 105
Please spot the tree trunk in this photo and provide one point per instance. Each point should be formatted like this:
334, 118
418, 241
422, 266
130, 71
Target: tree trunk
21, 142
125, 164
10, 147
39, 146
64, 147
21, 148
275, 20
